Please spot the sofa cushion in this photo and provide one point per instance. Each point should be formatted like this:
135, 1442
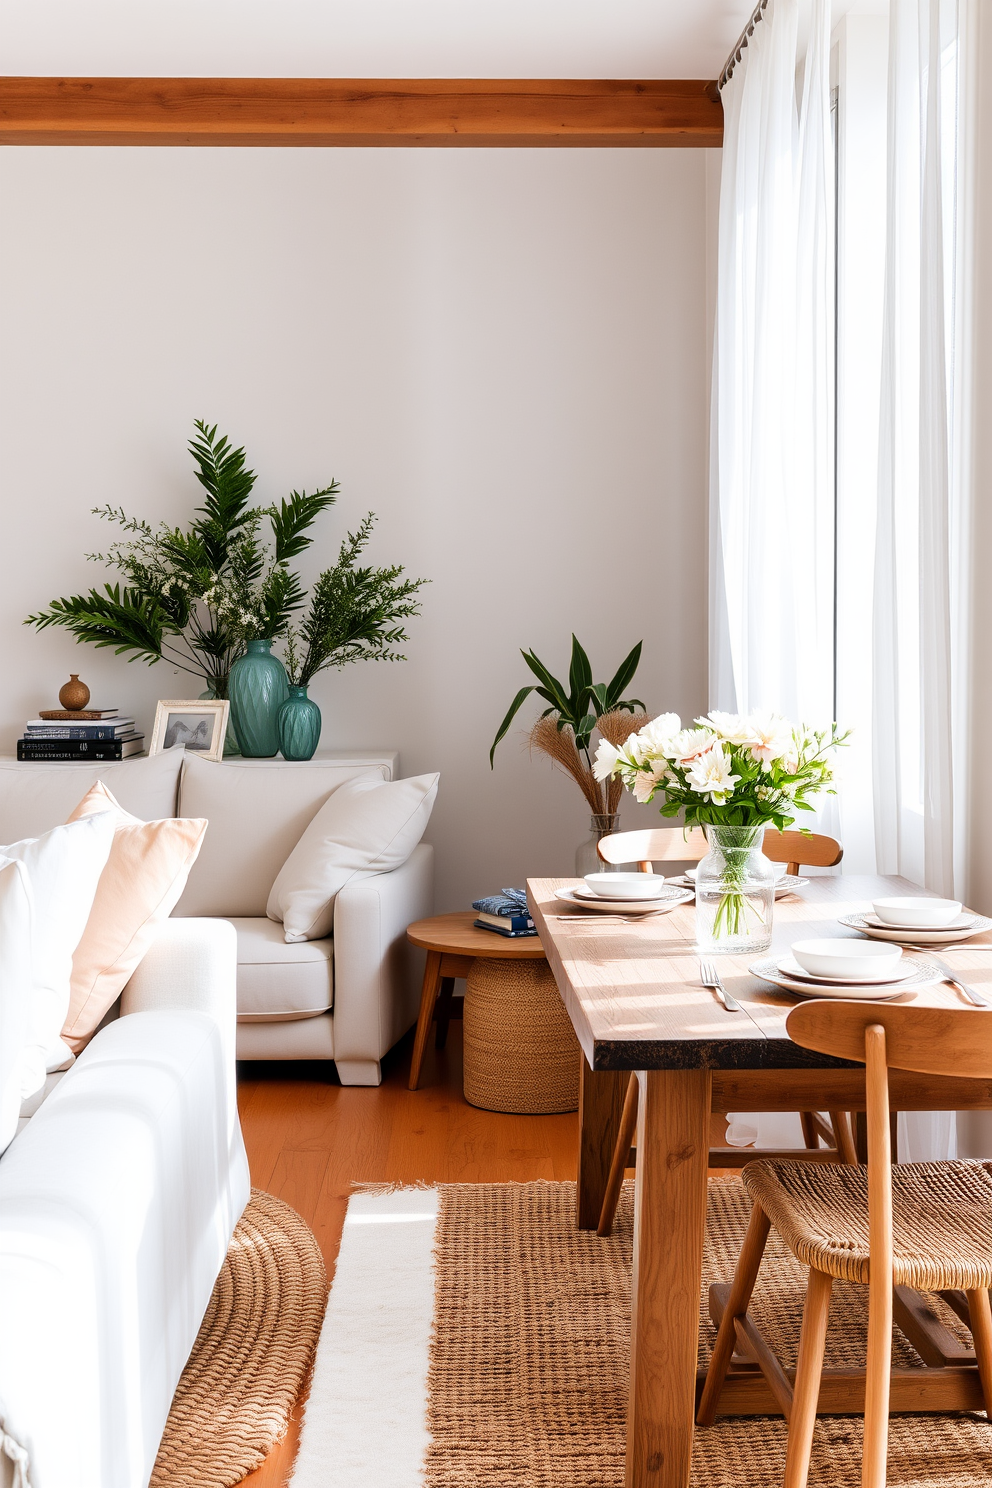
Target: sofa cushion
16, 1061
34, 797
257, 811
63, 868
367, 827
278, 982
145, 874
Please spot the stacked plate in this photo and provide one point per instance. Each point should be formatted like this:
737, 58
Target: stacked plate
962, 927
909, 974
667, 898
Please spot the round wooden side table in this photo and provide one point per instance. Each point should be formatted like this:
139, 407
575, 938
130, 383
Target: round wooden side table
520, 1050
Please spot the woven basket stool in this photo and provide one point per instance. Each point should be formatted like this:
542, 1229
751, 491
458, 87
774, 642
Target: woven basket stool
521, 1053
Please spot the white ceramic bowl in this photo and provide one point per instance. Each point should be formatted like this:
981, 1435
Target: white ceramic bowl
917, 914
846, 958
625, 885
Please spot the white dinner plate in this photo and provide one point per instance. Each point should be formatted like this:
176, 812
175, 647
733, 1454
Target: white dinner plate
926, 975
790, 967
787, 884
867, 924
660, 905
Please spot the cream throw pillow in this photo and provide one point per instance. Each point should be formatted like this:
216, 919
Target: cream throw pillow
365, 827
63, 869
16, 1062
139, 888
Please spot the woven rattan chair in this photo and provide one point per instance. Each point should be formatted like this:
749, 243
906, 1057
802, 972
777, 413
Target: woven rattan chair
675, 844
921, 1225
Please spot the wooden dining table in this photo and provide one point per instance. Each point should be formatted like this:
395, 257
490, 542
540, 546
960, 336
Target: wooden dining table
633, 993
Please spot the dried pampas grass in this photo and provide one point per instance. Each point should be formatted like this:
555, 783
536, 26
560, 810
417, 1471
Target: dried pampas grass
560, 747
617, 727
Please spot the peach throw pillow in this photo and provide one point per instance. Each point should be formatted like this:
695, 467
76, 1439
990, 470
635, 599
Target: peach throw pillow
139, 888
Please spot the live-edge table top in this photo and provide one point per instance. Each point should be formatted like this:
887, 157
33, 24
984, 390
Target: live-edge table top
633, 994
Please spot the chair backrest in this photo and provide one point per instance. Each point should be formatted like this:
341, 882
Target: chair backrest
928, 1040
675, 844
932, 1041
655, 845
812, 850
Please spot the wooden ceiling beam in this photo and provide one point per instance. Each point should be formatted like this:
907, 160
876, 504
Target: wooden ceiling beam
321, 112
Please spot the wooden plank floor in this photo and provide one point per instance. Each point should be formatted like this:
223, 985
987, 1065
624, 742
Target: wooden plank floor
309, 1139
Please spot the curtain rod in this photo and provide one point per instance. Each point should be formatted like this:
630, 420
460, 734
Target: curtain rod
735, 55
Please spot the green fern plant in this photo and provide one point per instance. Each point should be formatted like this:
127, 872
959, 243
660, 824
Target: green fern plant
193, 596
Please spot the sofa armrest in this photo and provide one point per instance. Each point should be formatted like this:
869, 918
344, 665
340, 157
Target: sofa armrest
192, 966
376, 970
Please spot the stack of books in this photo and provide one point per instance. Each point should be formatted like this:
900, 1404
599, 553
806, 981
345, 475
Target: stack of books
505, 914
90, 734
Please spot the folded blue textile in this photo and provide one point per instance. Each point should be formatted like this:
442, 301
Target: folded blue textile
509, 902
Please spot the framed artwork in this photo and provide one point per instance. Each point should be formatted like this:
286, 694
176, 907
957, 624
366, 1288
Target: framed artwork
198, 724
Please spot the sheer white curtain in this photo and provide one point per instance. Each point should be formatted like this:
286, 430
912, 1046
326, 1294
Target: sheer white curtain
771, 529
771, 551
919, 648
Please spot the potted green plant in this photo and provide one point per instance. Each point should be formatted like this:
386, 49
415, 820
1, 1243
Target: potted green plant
355, 614
564, 732
191, 594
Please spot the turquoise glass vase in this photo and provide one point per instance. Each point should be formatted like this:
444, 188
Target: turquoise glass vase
299, 725
258, 687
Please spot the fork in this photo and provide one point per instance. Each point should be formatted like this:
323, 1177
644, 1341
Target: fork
710, 977
977, 998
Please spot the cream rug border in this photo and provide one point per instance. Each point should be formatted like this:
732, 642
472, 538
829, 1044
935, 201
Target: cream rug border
369, 1390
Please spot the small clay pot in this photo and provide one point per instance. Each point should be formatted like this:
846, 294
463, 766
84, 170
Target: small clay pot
74, 695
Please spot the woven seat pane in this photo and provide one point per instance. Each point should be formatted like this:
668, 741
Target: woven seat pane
942, 1219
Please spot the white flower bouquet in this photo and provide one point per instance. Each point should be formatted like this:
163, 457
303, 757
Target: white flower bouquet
727, 772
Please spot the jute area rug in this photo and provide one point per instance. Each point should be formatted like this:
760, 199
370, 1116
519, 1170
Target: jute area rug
522, 1378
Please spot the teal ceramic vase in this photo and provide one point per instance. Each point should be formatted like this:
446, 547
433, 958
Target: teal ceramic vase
299, 725
258, 687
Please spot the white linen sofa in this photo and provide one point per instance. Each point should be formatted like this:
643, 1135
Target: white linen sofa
348, 998
118, 1199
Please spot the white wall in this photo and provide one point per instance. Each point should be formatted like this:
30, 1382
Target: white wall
502, 353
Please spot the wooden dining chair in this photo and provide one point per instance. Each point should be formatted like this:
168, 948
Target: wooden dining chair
925, 1226
676, 844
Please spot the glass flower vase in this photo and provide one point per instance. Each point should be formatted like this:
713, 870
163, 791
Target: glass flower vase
587, 860
299, 725
258, 687
735, 893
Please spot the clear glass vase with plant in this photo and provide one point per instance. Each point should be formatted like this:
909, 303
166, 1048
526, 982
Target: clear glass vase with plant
733, 776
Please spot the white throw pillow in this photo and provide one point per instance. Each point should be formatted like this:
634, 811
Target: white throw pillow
365, 827
63, 868
15, 994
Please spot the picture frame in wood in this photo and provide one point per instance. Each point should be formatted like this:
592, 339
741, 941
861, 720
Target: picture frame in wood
198, 724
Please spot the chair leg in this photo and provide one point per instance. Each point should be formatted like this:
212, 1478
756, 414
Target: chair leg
878, 1375
810, 1134
740, 1295
809, 1368
844, 1137
981, 1332
625, 1136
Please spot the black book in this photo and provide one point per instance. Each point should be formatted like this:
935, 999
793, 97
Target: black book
80, 749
